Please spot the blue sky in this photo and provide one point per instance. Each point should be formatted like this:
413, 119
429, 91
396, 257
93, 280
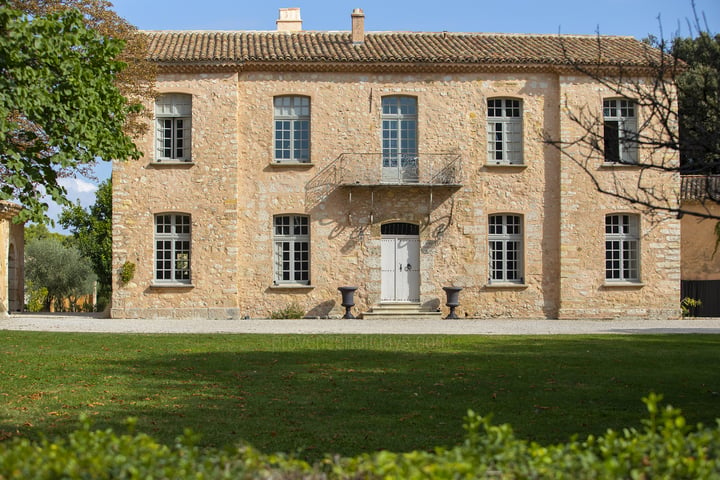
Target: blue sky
637, 18
612, 17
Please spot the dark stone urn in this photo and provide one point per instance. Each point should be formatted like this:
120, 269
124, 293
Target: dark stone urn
347, 300
453, 300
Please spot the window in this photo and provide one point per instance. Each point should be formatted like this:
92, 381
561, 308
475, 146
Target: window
622, 248
292, 249
292, 129
620, 131
172, 248
505, 131
173, 114
505, 237
399, 139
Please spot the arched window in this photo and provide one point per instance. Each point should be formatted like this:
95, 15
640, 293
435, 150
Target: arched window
505, 238
291, 236
399, 139
399, 228
172, 248
173, 113
620, 130
504, 131
622, 248
292, 129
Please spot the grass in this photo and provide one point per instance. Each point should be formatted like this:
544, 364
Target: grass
348, 394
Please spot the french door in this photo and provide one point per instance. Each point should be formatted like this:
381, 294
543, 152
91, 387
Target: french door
400, 268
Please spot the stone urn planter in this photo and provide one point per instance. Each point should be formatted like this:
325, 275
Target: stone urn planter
453, 300
348, 300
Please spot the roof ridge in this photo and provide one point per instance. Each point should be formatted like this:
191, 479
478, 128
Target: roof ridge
397, 32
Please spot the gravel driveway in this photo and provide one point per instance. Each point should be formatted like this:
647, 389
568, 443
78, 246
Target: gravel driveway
94, 323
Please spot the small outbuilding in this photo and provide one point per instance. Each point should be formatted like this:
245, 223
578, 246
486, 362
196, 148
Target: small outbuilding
700, 250
12, 248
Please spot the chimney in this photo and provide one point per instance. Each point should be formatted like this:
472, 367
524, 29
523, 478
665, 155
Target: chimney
358, 26
289, 20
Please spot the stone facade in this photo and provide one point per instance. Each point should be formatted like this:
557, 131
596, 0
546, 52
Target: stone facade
700, 260
233, 188
12, 248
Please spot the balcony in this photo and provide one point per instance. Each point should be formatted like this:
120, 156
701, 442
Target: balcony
376, 169
433, 174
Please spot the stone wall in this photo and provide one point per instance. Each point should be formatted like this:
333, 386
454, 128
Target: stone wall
233, 189
346, 225
699, 259
206, 190
12, 253
585, 293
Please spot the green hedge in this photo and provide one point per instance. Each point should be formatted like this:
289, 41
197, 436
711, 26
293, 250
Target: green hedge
664, 448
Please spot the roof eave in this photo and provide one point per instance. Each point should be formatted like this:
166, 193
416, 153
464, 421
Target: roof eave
393, 66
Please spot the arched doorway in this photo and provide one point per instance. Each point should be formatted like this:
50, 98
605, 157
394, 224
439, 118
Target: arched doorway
400, 251
13, 297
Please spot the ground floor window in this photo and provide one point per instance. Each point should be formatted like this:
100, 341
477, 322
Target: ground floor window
505, 247
172, 248
292, 249
622, 248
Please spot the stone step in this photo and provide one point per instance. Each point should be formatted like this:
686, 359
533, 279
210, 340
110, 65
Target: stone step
400, 310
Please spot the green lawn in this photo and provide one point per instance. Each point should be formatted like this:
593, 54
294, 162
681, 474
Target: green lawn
348, 394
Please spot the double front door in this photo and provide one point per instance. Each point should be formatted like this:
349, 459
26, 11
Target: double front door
400, 268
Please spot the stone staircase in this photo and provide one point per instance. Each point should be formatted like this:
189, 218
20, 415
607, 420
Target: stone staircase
400, 310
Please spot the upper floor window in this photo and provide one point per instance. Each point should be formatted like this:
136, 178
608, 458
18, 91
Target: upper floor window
292, 129
505, 246
292, 249
620, 131
399, 139
173, 113
622, 248
504, 131
172, 248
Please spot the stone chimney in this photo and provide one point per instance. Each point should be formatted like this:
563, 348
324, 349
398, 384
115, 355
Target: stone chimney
289, 20
358, 26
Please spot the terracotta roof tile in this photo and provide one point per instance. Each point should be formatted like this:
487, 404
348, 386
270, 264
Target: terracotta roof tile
228, 49
700, 187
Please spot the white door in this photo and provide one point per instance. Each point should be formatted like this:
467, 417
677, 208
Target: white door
400, 268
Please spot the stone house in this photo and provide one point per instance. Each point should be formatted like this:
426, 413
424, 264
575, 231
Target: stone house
284, 164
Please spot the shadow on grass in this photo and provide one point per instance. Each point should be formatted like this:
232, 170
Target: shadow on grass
352, 394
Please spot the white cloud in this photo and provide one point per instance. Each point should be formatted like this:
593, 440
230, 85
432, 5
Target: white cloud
77, 186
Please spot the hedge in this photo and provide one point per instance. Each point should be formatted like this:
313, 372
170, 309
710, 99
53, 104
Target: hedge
664, 448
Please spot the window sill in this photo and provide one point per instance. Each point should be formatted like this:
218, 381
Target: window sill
506, 286
170, 164
171, 285
291, 286
621, 285
506, 166
291, 165
618, 165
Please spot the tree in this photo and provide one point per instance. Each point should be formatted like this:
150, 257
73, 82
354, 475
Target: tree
92, 233
39, 231
678, 95
59, 107
699, 103
136, 82
62, 271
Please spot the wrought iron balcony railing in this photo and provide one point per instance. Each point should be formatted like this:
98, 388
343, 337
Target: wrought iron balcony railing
403, 169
